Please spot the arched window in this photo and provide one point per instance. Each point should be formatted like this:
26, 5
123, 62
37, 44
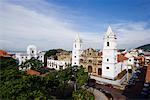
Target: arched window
81, 60
107, 59
90, 61
90, 69
107, 43
32, 51
99, 71
75, 45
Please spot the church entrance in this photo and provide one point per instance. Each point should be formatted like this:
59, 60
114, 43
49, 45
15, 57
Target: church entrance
99, 71
90, 69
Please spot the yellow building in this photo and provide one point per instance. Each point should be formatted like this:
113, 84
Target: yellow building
91, 60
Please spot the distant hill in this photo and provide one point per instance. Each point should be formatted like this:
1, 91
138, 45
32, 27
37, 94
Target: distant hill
144, 47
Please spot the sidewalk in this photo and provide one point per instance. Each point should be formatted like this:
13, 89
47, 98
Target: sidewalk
97, 94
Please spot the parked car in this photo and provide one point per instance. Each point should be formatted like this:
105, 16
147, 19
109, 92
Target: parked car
135, 76
138, 71
145, 89
144, 93
146, 85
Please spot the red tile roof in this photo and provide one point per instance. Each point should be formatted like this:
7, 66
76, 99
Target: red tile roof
121, 57
33, 72
148, 73
3, 53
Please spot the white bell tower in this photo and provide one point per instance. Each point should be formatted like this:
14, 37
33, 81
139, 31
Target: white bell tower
76, 51
109, 55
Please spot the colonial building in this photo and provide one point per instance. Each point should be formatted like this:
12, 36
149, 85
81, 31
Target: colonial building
109, 61
91, 60
63, 61
108, 64
32, 52
57, 65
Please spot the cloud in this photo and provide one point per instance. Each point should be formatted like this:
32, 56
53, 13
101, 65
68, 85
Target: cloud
132, 34
21, 25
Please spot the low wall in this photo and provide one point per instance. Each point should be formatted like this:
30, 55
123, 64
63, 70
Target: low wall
114, 82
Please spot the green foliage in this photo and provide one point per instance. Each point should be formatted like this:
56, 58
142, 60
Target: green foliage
17, 85
6, 62
35, 64
144, 47
82, 95
51, 53
82, 77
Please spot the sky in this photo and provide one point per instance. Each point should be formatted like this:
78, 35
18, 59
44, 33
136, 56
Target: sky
50, 24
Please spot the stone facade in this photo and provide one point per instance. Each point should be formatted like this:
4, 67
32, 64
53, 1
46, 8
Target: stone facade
91, 60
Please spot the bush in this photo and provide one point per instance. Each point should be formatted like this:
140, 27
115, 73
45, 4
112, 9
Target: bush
82, 94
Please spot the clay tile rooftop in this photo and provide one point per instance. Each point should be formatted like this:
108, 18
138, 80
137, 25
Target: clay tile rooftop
3, 53
32, 72
148, 73
121, 58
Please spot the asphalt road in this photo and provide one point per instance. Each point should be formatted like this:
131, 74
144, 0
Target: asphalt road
134, 91
116, 93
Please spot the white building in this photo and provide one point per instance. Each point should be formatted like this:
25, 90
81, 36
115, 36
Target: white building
109, 60
56, 64
32, 52
76, 52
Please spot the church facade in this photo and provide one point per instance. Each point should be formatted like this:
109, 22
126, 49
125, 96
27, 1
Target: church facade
107, 64
32, 52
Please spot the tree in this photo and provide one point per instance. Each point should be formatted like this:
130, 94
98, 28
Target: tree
16, 85
82, 94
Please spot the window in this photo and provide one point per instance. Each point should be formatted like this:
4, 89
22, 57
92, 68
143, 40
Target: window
107, 67
81, 60
32, 51
75, 45
107, 59
90, 61
74, 56
107, 43
75, 63
99, 62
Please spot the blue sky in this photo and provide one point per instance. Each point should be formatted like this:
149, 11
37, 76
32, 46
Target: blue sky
54, 23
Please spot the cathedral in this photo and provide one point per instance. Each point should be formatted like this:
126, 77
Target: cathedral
107, 64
